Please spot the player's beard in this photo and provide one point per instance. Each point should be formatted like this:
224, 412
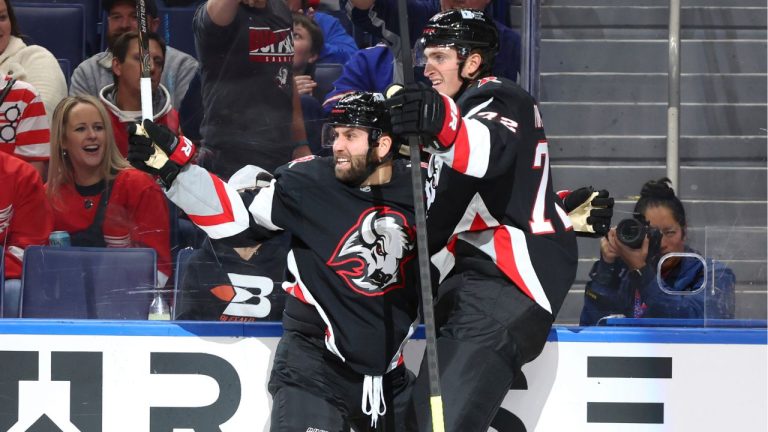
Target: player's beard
360, 167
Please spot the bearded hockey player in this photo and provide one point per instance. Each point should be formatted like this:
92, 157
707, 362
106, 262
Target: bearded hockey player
352, 299
498, 233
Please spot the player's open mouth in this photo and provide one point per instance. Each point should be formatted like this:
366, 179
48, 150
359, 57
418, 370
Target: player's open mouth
91, 148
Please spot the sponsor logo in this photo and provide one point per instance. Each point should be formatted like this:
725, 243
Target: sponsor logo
63, 391
247, 297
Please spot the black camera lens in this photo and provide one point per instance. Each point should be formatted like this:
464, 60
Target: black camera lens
631, 232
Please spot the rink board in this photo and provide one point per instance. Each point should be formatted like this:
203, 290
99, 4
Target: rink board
146, 376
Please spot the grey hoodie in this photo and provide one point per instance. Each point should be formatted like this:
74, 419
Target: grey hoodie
161, 104
95, 73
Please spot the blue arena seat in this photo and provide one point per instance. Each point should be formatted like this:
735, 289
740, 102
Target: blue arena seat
92, 9
325, 75
66, 69
176, 28
2, 281
81, 282
58, 27
9, 292
178, 296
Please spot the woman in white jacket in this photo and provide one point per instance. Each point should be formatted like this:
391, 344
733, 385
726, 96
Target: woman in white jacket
31, 63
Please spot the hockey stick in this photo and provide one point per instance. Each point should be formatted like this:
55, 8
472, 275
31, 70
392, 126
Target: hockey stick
146, 69
417, 183
158, 158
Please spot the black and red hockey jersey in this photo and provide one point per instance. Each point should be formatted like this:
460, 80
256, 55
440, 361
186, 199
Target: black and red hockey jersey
490, 201
352, 256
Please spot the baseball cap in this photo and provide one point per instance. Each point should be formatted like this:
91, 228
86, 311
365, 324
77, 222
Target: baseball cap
149, 4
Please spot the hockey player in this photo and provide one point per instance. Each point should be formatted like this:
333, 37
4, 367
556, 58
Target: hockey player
351, 301
499, 235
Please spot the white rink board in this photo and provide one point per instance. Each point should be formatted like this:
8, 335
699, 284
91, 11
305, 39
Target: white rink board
719, 386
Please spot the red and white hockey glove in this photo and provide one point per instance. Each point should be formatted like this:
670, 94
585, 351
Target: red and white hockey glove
418, 109
157, 150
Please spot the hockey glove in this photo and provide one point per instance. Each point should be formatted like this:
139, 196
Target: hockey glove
590, 211
157, 150
420, 110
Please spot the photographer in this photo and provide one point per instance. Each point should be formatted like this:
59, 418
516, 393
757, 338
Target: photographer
623, 280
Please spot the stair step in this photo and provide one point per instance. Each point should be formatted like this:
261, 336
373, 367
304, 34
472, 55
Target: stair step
652, 33
697, 183
659, 3
749, 305
651, 56
749, 255
693, 150
589, 118
646, 17
646, 87
749, 274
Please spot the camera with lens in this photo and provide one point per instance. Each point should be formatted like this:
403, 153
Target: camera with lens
632, 232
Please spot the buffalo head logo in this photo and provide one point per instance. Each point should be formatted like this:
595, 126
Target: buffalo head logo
372, 255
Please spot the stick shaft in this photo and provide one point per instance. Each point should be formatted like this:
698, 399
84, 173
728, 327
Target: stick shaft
436, 400
146, 68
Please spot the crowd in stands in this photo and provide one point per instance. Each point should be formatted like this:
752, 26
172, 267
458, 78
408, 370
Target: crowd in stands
248, 97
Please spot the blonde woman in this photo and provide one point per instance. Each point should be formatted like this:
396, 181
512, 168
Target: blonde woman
94, 194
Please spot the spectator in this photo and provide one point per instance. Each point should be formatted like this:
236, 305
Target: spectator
24, 130
375, 68
31, 63
93, 193
339, 45
307, 44
95, 73
225, 283
24, 218
123, 98
371, 69
623, 281
252, 110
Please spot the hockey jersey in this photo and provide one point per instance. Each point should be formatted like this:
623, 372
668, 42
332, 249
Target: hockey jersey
24, 129
136, 215
352, 258
24, 216
491, 206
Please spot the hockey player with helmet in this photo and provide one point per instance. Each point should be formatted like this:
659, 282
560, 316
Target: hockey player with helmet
351, 304
498, 234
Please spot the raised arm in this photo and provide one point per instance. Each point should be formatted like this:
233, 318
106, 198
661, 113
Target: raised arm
223, 12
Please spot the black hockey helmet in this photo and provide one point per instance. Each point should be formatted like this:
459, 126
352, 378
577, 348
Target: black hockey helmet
359, 109
466, 30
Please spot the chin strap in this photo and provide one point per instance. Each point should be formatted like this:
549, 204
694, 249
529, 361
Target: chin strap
373, 398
